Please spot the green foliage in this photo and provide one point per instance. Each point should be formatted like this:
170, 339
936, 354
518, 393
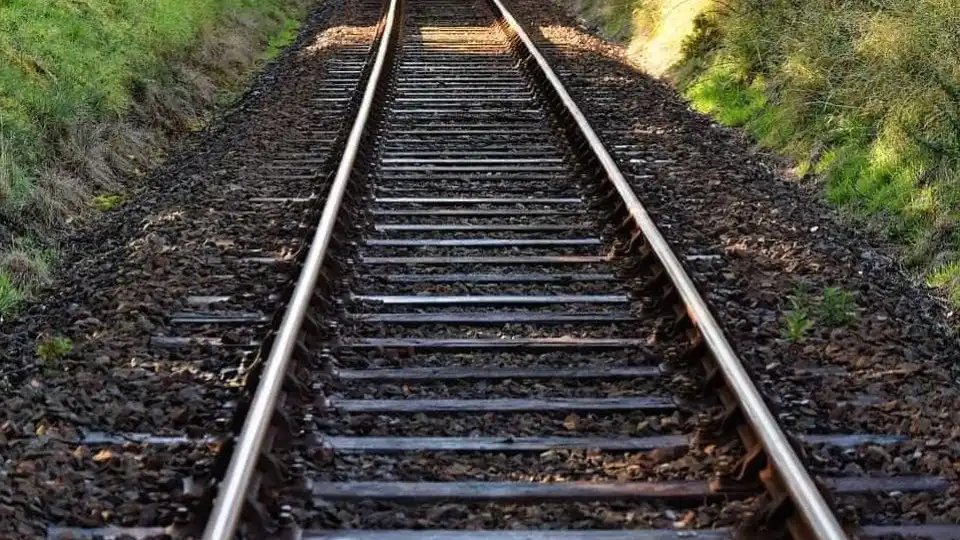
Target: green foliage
948, 277
67, 61
71, 69
10, 295
837, 308
834, 309
797, 319
23, 267
107, 201
283, 38
797, 324
864, 93
52, 350
705, 37
721, 94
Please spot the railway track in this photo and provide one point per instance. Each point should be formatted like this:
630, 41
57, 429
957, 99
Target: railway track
488, 333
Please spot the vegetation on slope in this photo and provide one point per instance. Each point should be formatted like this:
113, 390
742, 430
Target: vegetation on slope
91, 91
864, 93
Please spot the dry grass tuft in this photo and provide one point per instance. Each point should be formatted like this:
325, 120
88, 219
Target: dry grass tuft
24, 268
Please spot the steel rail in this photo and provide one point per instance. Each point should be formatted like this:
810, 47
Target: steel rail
232, 492
804, 493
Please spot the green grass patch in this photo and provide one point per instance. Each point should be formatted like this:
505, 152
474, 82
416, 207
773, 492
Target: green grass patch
64, 62
11, 296
281, 39
721, 94
71, 71
53, 349
837, 308
834, 308
948, 277
864, 94
24, 267
107, 201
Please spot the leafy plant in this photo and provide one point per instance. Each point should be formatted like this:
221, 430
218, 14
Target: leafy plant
797, 319
52, 350
798, 323
837, 308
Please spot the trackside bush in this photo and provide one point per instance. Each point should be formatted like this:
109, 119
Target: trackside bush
863, 93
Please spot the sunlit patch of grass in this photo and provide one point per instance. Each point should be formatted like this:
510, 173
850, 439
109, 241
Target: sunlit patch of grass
280, 40
865, 95
722, 95
71, 71
662, 30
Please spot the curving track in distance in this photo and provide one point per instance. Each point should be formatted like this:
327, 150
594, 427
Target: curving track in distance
488, 333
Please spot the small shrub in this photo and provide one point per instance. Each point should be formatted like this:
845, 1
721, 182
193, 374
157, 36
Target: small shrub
52, 350
837, 308
800, 298
797, 325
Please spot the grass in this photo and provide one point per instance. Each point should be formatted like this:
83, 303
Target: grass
50, 352
107, 201
283, 38
835, 308
53, 349
10, 295
864, 95
91, 91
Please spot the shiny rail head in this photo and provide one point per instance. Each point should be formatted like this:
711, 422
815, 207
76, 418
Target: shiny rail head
800, 486
233, 490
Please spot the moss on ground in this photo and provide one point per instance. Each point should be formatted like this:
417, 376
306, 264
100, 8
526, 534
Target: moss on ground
80, 80
865, 94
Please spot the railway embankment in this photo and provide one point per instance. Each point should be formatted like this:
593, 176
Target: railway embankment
863, 98
94, 94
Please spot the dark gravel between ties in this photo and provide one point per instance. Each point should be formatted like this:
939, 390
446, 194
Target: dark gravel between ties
713, 193
182, 234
